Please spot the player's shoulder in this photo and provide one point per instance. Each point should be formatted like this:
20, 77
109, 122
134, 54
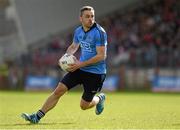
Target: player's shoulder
78, 29
100, 28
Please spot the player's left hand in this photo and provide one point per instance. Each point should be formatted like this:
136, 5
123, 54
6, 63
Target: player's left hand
75, 66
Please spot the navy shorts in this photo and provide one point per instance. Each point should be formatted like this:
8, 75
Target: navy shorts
92, 83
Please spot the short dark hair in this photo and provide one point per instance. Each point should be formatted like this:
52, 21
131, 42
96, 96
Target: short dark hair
84, 8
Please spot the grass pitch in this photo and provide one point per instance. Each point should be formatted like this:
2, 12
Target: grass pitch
122, 111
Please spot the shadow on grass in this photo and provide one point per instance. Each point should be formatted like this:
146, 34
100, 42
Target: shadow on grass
28, 124
177, 124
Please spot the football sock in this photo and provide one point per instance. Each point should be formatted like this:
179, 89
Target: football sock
40, 114
96, 99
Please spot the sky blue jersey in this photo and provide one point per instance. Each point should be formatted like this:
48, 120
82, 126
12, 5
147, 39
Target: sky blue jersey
88, 41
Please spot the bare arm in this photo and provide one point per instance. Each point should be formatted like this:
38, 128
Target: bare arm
101, 55
72, 48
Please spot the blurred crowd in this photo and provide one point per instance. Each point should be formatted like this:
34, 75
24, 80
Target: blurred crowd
146, 35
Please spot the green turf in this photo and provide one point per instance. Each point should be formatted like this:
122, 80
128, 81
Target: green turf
122, 110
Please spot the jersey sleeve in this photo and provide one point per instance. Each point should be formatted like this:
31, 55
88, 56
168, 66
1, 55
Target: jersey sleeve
75, 38
101, 38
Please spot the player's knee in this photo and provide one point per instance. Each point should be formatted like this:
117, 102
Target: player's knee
84, 104
60, 90
83, 107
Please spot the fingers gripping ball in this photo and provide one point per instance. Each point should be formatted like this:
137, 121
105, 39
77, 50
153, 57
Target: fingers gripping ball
65, 60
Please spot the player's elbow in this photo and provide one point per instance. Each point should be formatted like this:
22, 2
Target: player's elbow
102, 57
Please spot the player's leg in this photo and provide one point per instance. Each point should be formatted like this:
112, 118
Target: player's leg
54, 97
48, 105
92, 84
89, 104
69, 81
97, 101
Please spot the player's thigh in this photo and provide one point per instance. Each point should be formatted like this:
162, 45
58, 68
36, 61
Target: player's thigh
71, 79
92, 84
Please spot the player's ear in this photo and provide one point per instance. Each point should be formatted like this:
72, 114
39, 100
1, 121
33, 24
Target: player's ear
80, 18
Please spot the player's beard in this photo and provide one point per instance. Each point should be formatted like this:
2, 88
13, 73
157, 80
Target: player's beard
89, 25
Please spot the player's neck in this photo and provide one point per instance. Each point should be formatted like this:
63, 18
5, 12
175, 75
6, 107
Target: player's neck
86, 28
